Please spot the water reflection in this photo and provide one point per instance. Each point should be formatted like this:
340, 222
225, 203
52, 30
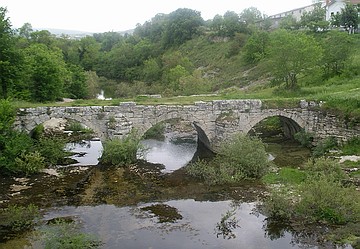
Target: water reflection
172, 156
86, 152
134, 227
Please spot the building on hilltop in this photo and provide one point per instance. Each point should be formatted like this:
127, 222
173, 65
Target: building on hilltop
332, 7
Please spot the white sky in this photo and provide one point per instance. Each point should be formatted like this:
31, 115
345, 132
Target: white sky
117, 15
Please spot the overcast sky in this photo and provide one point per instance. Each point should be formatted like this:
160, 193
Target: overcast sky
117, 15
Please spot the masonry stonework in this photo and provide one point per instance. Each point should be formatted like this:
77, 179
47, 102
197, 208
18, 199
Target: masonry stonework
219, 119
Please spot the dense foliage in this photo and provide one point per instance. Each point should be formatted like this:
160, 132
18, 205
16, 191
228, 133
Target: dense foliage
21, 154
176, 54
121, 152
242, 157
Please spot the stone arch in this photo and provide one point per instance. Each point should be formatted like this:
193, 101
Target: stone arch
291, 123
168, 115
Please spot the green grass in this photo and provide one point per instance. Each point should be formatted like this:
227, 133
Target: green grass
285, 176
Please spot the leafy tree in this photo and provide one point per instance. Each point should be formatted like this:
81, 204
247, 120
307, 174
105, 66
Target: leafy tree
337, 50
172, 77
75, 86
181, 26
46, 72
88, 51
25, 31
290, 54
153, 29
151, 71
250, 16
7, 117
349, 18
231, 24
217, 24
256, 46
315, 19
289, 22
108, 40
92, 84
43, 37
10, 58
172, 59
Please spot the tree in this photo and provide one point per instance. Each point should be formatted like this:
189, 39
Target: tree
315, 19
231, 24
349, 18
337, 50
181, 26
256, 46
250, 16
25, 31
75, 85
10, 58
92, 84
151, 71
46, 72
290, 54
289, 22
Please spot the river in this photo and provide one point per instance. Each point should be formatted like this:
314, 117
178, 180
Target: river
128, 218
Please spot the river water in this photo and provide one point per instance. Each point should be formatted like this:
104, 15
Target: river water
196, 227
192, 223
172, 156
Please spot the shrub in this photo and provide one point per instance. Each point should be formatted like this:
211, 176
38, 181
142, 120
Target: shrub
318, 199
120, 152
52, 149
242, 157
77, 127
156, 132
30, 163
324, 146
17, 218
351, 147
325, 166
326, 200
304, 138
245, 155
277, 206
16, 144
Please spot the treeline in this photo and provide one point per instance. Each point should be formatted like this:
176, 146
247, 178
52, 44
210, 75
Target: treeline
37, 66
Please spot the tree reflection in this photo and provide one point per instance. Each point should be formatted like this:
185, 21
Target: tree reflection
227, 225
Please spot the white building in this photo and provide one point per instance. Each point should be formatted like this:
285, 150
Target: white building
334, 6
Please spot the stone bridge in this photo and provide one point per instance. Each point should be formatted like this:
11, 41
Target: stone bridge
219, 119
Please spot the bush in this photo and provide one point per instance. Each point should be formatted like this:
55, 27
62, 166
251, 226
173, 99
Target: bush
30, 163
17, 218
318, 199
52, 150
120, 152
325, 166
15, 144
245, 155
156, 132
326, 200
304, 138
351, 147
324, 146
242, 157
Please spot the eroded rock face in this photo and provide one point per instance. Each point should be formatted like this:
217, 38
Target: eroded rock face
54, 125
